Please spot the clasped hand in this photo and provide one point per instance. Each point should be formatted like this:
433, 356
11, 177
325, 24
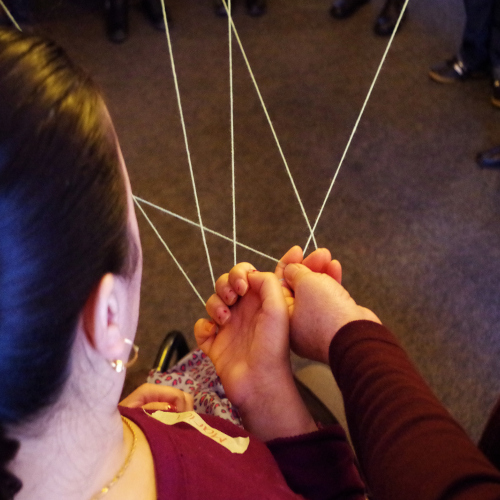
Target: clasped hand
255, 317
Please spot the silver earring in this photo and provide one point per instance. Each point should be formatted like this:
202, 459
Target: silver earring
118, 365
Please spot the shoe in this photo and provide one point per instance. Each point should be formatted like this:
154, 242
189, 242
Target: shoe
345, 8
454, 70
219, 8
154, 13
489, 158
388, 18
116, 12
256, 8
495, 96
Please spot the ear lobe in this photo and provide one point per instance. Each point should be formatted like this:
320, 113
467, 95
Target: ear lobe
101, 317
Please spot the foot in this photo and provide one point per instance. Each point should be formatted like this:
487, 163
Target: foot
454, 70
489, 158
256, 8
154, 13
345, 8
388, 18
219, 8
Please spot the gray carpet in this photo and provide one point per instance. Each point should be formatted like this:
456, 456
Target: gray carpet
411, 217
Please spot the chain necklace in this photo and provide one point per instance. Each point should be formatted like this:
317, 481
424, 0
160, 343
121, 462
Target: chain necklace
120, 473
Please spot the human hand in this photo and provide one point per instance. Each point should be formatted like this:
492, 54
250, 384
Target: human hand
249, 346
318, 261
319, 308
159, 397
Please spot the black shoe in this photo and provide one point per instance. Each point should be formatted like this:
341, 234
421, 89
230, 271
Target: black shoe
116, 12
454, 70
256, 8
489, 158
154, 13
345, 8
388, 17
220, 10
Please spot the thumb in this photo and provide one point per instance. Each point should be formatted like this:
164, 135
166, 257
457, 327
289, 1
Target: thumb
294, 273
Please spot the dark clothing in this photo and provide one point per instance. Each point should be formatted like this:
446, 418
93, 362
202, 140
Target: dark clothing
189, 465
480, 47
408, 445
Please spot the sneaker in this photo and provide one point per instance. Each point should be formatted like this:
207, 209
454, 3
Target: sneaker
454, 70
495, 96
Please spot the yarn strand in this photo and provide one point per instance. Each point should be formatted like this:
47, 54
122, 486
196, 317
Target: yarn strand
355, 128
179, 104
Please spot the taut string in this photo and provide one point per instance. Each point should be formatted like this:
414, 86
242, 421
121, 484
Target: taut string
179, 104
231, 104
169, 251
261, 99
368, 95
208, 230
10, 16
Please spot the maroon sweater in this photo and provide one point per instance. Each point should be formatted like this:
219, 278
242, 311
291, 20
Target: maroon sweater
408, 445
189, 465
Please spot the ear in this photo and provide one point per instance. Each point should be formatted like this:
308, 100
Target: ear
101, 319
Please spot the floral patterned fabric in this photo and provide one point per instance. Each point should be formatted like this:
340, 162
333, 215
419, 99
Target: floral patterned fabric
195, 374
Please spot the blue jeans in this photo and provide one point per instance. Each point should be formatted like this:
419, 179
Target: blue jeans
480, 47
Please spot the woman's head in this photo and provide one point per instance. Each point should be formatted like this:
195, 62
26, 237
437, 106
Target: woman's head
63, 216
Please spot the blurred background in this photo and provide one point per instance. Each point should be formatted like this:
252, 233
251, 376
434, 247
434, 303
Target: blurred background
413, 220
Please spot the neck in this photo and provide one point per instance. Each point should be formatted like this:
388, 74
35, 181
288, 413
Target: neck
70, 455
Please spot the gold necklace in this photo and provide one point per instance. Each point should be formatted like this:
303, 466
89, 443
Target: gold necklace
120, 473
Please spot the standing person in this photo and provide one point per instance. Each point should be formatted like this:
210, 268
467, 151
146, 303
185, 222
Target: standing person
479, 53
386, 20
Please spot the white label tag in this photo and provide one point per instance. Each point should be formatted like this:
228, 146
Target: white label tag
234, 445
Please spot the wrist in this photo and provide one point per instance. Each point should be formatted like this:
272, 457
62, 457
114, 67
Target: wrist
277, 412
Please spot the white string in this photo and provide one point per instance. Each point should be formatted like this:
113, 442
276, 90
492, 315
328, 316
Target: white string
169, 251
231, 103
184, 219
186, 139
270, 124
358, 120
10, 16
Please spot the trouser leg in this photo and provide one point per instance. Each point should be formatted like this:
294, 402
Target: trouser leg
475, 48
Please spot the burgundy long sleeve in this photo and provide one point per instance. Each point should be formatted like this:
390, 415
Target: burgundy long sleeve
408, 445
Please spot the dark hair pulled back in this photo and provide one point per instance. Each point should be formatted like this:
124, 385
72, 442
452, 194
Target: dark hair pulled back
63, 222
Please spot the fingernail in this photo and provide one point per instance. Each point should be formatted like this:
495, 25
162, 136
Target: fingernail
223, 316
231, 297
170, 408
241, 286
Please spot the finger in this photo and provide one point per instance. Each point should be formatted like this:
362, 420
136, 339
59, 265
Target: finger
205, 332
224, 290
334, 269
318, 260
238, 277
152, 393
294, 273
294, 255
270, 292
161, 407
217, 309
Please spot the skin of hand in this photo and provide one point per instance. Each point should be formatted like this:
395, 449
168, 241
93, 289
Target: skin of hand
249, 346
159, 397
320, 306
